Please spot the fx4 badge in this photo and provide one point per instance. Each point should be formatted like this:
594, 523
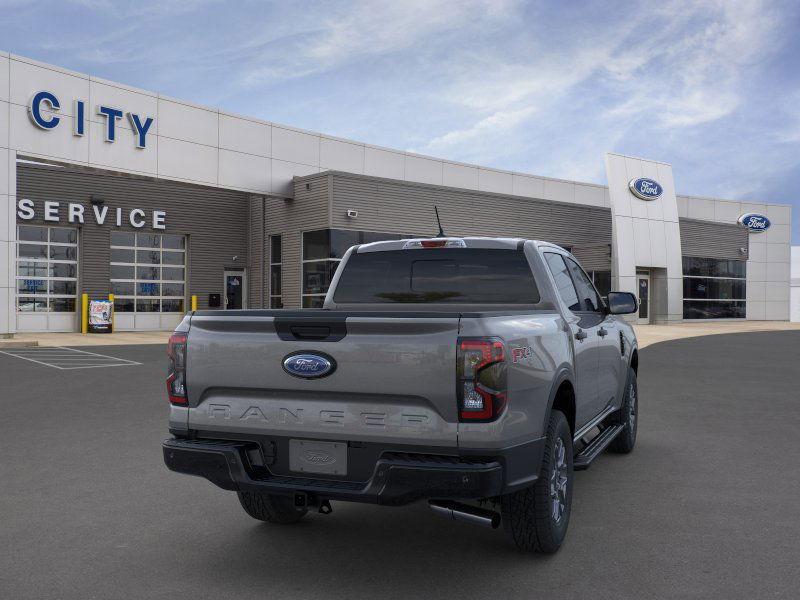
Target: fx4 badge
521, 353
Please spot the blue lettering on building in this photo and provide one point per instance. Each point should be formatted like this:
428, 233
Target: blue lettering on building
39, 119
44, 105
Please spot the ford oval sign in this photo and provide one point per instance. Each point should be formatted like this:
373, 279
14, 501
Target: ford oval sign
754, 222
646, 189
309, 365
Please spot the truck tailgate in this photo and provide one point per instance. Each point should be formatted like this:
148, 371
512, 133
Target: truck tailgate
394, 376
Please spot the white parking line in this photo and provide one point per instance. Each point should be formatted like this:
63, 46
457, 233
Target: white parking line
67, 359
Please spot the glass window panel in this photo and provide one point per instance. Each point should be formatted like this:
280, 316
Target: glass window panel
313, 301
316, 277
714, 267
63, 270
148, 273
29, 233
148, 257
64, 252
32, 251
31, 304
148, 289
119, 238
172, 289
175, 242
148, 240
316, 244
122, 288
276, 302
31, 286
172, 273
589, 300
148, 305
275, 280
173, 258
123, 304
341, 240
275, 249
118, 272
63, 287
714, 289
123, 256
173, 305
32, 269
62, 304
64, 235
704, 309
563, 281
602, 281
474, 276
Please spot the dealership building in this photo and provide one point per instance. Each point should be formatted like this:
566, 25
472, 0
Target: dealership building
107, 189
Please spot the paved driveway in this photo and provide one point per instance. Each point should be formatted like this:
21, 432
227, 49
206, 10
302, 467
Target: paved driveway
706, 507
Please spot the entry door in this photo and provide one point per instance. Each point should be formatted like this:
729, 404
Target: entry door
644, 299
235, 289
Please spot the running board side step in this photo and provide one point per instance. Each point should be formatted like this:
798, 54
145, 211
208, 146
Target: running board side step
584, 458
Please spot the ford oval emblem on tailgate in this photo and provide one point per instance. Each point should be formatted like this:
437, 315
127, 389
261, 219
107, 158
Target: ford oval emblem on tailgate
309, 365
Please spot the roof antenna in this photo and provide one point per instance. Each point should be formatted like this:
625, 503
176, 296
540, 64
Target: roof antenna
441, 231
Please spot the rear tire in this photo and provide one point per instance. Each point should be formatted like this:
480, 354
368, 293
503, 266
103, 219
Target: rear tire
270, 507
628, 416
537, 517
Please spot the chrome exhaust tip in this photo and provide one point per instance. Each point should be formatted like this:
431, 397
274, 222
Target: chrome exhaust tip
465, 513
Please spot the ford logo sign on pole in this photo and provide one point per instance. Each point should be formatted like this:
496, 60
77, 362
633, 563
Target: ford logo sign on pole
309, 365
754, 222
646, 189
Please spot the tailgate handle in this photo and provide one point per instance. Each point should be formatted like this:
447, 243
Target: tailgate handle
310, 332
298, 329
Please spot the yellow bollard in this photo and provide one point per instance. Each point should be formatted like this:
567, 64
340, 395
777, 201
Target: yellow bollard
113, 313
194, 303
84, 313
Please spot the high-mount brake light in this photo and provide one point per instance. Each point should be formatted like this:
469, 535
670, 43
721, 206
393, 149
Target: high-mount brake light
176, 378
481, 379
435, 243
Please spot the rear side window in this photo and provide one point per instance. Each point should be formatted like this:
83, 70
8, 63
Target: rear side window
437, 275
564, 284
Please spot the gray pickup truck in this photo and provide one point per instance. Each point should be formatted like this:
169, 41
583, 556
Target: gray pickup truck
474, 373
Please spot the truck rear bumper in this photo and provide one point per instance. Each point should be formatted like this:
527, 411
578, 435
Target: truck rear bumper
398, 478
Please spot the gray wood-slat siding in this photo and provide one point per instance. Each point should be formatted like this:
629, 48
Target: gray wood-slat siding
214, 220
402, 207
713, 240
307, 211
593, 257
256, 255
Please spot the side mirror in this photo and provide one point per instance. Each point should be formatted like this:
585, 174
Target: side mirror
622, 303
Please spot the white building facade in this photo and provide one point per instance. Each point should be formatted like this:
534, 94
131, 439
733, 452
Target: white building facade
93, 129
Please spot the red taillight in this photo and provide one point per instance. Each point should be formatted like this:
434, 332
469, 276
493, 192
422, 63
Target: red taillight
433, 243
176, 378
481, 372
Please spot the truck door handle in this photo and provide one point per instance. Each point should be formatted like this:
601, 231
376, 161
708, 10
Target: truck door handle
581, 335
602, 332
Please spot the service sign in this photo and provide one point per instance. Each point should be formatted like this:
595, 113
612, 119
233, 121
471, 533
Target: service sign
754, 222
646, 189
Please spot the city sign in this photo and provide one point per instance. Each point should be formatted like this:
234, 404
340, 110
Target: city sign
45, 106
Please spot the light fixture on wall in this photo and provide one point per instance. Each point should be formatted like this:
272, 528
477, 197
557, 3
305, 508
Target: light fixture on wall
743, 251
96, 201
352, 214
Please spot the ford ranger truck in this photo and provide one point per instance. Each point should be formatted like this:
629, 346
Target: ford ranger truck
472, 373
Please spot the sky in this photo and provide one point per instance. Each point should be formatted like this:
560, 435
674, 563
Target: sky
540, 87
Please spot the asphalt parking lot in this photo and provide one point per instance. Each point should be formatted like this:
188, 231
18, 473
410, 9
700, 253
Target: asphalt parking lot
706, 506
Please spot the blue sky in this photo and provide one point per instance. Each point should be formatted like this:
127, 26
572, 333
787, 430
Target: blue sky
541, 87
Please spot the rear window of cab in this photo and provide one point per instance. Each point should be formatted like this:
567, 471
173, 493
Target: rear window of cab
437, 275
